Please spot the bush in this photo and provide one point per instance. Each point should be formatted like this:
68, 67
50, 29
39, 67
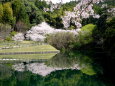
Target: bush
13, 33
61, 40
67, 40
5, 30
85, 35
18, 37
8, 38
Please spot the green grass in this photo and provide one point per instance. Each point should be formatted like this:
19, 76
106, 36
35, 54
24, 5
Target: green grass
36, 48
12, 43
28, 56
26, 46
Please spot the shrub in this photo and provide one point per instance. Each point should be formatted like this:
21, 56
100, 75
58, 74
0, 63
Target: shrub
68, 40
8, 38
85, 35
61, 40
18, 37
5, 29
13, 33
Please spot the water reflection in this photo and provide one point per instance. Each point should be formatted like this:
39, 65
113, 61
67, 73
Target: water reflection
75, 60
62, 70
58, 78
5, 72
59, 62
40, 68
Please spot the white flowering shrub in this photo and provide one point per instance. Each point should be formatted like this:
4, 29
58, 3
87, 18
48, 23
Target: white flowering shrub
36, 37
18, 37
39, 32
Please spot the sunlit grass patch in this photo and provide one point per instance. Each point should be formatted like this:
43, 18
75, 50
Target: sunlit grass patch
36, 48
28, 56
26, 47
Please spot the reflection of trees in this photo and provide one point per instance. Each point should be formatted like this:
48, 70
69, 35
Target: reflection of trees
5, 72
71, 78
57, 78
6, 78
74, 59
23, 78
61, 60
28, 79
65, 77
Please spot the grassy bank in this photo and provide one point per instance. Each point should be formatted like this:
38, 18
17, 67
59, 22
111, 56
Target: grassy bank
36, 48
28, 56
26, 46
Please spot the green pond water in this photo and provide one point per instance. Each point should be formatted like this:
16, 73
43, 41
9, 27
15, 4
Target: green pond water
74, 69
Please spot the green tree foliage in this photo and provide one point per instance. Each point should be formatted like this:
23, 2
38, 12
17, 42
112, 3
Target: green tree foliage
36, 17
31, 12
1, 12
89, 20
20, 11
23, 16
8, 13
34, 13
99, 31
39, 17
41, 4
54, 19
16, 6
69, 6
104, 33
109, 35
85, 35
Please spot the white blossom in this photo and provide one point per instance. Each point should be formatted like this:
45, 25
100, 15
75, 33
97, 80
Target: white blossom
111, 11
18, 37
84, 9
52, 7
96, 16
78, 24
104, 6
36, 37
39, 32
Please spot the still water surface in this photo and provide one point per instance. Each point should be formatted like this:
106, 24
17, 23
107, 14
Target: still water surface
75, 69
